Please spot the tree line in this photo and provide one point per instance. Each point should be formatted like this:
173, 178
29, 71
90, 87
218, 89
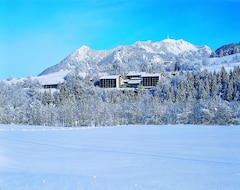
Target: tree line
198, 97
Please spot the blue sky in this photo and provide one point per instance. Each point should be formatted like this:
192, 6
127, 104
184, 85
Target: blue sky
36, 34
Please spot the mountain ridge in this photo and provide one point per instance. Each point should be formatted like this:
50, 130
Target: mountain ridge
132, 57
226, 50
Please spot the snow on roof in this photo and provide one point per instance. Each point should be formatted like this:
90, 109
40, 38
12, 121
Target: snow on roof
48, 79
110, 77
135, 81
52, 78
151, 75
133, 73
143, 74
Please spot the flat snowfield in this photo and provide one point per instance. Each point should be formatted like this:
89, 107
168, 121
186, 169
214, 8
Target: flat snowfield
127, 157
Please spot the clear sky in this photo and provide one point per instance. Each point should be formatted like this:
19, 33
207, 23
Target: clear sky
36, 34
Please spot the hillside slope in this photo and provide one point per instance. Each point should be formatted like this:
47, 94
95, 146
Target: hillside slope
226, 50
138, 56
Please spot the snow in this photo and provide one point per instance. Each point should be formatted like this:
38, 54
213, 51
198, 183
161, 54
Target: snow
142, 74
134, 81
132, 57
218, 67
229, 62
110, 77
134, 73
147, 46
178, 46
52, 78
167, 45
151, 75
124, 157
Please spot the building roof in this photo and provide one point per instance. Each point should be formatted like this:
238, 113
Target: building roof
52, 78
151, 75
133, 73
110, 77
143, 74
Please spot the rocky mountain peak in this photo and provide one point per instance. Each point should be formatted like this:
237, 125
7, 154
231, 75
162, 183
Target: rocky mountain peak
132, 57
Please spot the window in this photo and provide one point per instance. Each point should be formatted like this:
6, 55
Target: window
108, 83
150, 81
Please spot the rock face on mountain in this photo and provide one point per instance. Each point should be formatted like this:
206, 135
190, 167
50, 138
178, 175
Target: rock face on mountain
139, 56
226, 50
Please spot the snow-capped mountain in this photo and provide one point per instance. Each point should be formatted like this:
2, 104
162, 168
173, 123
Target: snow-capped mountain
83, 59
136, 57
166, 46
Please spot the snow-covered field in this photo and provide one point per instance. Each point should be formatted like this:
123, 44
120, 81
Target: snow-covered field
228, 62
126, 157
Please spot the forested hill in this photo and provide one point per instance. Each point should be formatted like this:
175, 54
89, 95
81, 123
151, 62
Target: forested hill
226, 50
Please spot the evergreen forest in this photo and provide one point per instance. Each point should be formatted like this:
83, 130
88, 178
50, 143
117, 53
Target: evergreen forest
197, 97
